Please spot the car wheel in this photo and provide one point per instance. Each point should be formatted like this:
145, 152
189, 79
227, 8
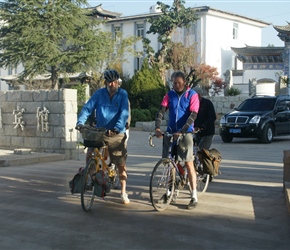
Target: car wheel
267, 136
227, 138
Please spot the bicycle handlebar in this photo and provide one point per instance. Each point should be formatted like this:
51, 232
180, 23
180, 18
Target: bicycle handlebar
151, 135
109, 132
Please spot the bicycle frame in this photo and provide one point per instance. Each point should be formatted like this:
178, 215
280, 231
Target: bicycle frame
170, 157
96, 163
99, 157
166, 180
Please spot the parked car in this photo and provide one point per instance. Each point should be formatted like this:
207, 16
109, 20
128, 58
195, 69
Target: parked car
261, 117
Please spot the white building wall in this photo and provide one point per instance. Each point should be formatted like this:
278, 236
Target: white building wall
218, 36
242, 82
259, 74
213, 33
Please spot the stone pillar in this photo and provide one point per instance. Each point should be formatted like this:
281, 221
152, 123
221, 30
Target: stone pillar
286, 178
39, 120
286, 64
286, 161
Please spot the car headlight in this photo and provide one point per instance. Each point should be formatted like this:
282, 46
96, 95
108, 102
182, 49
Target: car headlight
223, 120
255, 119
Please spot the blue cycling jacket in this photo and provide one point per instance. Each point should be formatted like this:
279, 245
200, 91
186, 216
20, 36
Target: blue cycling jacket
111, 113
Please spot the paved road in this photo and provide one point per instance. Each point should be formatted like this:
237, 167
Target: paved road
244, 208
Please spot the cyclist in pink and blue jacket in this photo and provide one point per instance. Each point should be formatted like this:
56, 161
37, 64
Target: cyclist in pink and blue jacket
182, 103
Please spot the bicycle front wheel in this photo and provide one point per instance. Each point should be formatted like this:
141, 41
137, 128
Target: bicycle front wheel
162, 184
87, 192
114, 177
202, 181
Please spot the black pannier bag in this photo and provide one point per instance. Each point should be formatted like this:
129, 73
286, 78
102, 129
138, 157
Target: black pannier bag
210, 160
75, 185
93, 137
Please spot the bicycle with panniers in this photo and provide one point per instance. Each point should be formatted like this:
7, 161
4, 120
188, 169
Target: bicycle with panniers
98, 176
168, 177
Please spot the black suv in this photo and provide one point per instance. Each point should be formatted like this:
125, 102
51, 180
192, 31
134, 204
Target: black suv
261, 117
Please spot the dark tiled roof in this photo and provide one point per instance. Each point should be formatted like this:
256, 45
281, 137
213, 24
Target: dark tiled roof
99, 11
283, 29
253, 50
253, 54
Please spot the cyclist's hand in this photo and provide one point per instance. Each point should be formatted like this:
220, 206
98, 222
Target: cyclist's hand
79, 127
127, 125
196, 130
111, 132
158, 133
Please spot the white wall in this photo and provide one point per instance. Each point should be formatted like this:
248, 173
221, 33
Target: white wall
219, 39
259, 74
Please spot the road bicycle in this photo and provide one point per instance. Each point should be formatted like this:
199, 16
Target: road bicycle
168, 177
93, 137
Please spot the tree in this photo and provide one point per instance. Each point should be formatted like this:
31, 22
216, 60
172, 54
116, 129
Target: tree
218, 86
113, 54
180, 57
52, 36
146, 89
206, 74
176, 16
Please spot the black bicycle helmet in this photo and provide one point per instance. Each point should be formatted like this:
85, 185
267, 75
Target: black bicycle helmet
111, 75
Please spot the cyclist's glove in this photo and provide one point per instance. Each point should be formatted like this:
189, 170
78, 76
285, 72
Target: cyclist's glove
79, 127
113, 131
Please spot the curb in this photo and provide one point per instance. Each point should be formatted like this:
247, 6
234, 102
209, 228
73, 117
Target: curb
32, 159
287, 194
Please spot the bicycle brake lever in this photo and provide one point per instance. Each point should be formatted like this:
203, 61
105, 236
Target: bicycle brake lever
150, 141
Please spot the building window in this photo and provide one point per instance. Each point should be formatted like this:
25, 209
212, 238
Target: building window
140, 30
139, 62
117, 32
235, 31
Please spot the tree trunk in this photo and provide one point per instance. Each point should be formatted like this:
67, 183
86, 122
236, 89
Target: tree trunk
54, 78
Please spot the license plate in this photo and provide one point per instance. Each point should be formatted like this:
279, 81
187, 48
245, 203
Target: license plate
235, 130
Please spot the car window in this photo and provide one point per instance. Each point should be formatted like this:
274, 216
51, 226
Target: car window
288, 104
257, 105
283, 105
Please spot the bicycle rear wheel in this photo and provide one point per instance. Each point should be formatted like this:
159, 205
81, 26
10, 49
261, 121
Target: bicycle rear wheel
202, 181
87, 192
162, 184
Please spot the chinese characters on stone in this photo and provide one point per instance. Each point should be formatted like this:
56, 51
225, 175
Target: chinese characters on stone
41, 117
18, 118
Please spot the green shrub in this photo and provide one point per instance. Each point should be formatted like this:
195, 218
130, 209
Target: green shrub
145, 88
232, 91
140, 115
153, 112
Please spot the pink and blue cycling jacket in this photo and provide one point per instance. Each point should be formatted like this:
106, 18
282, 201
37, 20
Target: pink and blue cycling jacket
180, 108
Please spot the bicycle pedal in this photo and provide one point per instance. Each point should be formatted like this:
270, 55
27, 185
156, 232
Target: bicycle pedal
173, 201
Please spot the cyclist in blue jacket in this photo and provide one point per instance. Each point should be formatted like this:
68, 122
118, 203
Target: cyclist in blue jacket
183, 104
111, 112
